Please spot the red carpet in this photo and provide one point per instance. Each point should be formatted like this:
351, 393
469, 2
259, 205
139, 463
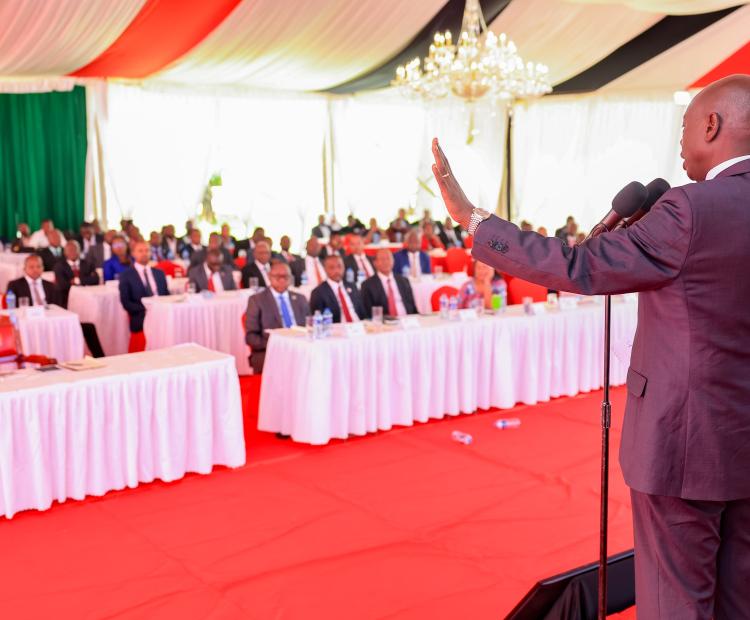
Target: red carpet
400, 525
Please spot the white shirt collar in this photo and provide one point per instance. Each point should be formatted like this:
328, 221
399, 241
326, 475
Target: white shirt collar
719, 168
277, 295
141, 269
384, 279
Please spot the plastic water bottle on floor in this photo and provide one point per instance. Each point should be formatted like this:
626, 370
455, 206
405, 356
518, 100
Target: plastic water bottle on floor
503, 423
463, 438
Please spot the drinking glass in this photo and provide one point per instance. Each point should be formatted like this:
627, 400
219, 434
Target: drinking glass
377, 315
309, 327
438, 271
253, 284
24, 302
191, 288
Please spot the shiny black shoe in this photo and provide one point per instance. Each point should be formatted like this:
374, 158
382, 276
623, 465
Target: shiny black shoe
283, 436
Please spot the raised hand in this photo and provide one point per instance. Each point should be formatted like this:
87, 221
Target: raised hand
455, 200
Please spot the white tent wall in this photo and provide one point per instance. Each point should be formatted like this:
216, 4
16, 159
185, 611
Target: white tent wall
156, 151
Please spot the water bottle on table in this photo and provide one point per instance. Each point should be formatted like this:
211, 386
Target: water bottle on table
10, 300
317, 327
444, 307
327, 323
303, 279
350, 275
453, 308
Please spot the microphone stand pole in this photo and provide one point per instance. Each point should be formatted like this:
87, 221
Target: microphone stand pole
604, 498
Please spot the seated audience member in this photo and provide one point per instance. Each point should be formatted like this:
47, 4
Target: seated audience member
259, 267
38, 291
335, 246
353, 226
526, 226
102, 252
155, 247
485, 277
125, 225
334, 224
248, 245
213, 274
411, 260
572, 235
286, 254
542, 231
192, 246
430, 241
136, 282
321, 230
214, 243
357, 260
580, 238
374, 233
169, 243
53, 251
388, 290
40, 239
134, 234
450, 234
119, 261
399, 227
343, 299
22, 242
72, 270
274, 307
87, 238
310, 265
228, 242
562, 232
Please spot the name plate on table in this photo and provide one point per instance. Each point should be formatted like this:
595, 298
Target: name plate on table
568, 303
409, 322
352, 330
468, 314
34, 312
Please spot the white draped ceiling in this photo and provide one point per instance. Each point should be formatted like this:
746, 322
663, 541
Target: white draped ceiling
672, 7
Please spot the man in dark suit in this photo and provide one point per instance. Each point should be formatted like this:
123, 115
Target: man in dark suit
87, 238
286, 253
562, 232
212, 275
341, 298
52, 252
357, 260
214, 243
72, 270
38, 291
258, 267
322, 229
137, 282
192, 246
335, 246
685, 449
388, 290
451, 235
102, 252
411, 260
272, 308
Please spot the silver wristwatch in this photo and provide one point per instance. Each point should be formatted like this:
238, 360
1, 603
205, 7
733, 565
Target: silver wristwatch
477, 217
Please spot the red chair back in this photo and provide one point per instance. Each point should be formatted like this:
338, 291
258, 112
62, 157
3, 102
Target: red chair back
455, 260
3, 303
7, 338
469, 242
443, 290
171, 269
518, 289
240, 262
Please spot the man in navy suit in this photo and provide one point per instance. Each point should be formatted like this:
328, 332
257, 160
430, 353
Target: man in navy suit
685, 450
411, 260
388, 290
137, 282
341, 298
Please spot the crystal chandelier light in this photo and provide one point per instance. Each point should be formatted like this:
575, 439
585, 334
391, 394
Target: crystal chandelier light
480, 64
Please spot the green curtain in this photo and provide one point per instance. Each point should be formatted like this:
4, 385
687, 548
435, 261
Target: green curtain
42, 159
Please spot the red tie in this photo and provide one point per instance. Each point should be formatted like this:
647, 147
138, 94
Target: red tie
76, 272
363, 266
344, 307
211, 286
391, 300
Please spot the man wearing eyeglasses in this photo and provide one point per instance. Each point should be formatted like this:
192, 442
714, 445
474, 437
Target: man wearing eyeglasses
274, 307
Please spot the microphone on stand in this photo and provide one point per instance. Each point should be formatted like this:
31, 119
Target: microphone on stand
655, 189
624, 205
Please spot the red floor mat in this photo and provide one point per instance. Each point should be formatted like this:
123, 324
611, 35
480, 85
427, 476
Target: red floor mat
402, 525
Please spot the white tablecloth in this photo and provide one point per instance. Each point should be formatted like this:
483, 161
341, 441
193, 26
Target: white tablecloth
214, 323
101, 306
160, 414
315, 391
57, 333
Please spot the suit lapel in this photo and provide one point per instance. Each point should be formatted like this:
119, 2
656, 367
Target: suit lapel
276, 314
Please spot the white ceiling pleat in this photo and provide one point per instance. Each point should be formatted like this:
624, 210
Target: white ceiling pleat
669, 7
56, 37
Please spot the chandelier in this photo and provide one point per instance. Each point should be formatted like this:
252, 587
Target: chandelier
480, 64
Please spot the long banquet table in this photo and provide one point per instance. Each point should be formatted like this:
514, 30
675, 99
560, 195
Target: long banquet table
54, 333
101, 306
144, 416
332, 388
215, 323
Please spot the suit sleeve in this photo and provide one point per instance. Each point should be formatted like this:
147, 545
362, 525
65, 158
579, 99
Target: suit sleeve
90, 278
316, 301
131, 305
643, 257
254, 334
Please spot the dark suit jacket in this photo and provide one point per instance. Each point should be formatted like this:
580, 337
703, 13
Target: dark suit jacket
322, 297
373, 294
324, 252
132, 290
351, 263
96, 255
64, 277
198, 258
48, 258
197, 275
21, 288
687, 421
262, 314
447, 241
250, 270
401, 260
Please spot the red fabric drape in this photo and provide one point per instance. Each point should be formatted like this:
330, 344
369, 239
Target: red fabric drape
739, 62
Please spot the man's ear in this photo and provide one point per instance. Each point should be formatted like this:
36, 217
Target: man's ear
713, 126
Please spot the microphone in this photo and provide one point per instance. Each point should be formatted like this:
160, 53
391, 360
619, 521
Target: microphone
655, 189
624, 205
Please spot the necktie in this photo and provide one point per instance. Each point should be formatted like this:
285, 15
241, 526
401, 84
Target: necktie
392, 311
149, 290
363, 266
286, 315
344, 307
211, 286
413, 258
36, 297
317, 271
